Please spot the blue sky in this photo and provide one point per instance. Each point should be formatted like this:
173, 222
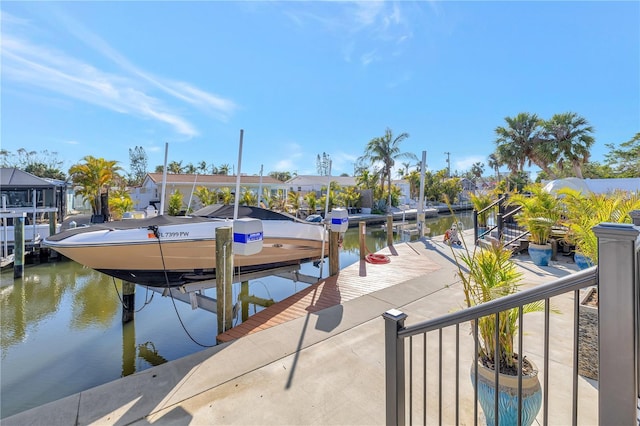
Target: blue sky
303, 78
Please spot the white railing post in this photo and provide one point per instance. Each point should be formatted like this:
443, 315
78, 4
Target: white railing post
617, 323
394, 367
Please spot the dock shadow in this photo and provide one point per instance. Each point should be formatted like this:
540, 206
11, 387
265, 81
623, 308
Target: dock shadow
327, 305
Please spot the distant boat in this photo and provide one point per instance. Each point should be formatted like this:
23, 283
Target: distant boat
6, 262
173, 250
33, 234
431, 212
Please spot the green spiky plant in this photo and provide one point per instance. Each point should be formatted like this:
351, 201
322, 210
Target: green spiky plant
584, 211
488, 274
481, 202
540, 212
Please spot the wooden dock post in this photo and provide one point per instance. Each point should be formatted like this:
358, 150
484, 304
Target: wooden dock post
362, 236
224, 277
390, 229
52, 230
244, 303
18, 247
128, 301
334, 253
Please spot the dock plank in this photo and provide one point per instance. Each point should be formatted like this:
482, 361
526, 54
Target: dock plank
351, 282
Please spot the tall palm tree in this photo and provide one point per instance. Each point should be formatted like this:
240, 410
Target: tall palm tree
386, 150
414, 183
515, 141
494, 163
570, 135
93, 177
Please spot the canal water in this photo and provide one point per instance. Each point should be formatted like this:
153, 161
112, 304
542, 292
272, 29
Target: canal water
61, 329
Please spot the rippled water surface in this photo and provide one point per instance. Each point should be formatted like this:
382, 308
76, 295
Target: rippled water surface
62, 331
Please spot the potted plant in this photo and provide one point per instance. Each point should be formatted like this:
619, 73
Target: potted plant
582, 213
487, 274
480, 202
539, 212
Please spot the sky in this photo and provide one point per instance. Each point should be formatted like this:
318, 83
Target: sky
305, 78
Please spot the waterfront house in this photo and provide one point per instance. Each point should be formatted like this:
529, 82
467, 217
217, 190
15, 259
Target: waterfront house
149, 193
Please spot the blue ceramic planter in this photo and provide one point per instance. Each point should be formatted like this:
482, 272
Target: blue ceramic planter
508, 397
540, 254
582, 261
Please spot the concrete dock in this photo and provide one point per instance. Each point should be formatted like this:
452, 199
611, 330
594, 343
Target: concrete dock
325, 367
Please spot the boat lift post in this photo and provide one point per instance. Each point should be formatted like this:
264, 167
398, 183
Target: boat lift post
326, 213
5, 246
421, 222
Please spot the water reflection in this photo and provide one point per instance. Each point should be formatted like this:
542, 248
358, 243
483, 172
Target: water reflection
62, 332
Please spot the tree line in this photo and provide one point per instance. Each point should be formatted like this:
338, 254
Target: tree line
559, 146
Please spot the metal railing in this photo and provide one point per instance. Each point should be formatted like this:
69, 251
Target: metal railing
504, 225
423, 384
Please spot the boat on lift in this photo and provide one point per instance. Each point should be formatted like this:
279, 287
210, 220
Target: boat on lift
169, 251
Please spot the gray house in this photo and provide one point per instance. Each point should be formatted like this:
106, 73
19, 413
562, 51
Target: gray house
24, 192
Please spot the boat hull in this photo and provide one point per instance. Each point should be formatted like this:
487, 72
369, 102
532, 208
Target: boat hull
175, 253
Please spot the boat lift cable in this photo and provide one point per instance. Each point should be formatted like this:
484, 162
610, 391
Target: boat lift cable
146, 299
154, 228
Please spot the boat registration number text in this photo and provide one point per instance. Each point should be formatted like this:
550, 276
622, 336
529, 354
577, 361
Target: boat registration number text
174, 234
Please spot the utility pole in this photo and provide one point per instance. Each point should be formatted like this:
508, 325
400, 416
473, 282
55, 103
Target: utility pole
448, 164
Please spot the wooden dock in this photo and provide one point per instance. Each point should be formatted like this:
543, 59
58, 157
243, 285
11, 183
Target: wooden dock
353, 281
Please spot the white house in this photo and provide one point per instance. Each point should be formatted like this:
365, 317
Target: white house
150, 191
308, 183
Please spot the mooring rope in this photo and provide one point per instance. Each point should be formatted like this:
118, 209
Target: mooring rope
146, 301
154, 228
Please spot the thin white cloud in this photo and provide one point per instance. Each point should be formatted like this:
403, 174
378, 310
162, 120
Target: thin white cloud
357, 24
127, 92
290, 160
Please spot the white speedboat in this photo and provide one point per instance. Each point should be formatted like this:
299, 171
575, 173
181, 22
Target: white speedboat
173, 250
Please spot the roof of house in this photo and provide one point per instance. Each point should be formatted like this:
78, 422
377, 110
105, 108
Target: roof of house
213, 179
306, 180
12, 177
598, 186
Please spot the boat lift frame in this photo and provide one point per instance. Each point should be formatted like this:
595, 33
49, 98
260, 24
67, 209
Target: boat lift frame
192, 293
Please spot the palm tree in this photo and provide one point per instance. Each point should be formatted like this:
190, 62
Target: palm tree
570, 136
224, 169
190, 169
293, 202
494, 163
386, 150
366, 180
248, 197
414, 183
206, 196
515, 142
93, 177
175, 167
225, 195
312, 201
